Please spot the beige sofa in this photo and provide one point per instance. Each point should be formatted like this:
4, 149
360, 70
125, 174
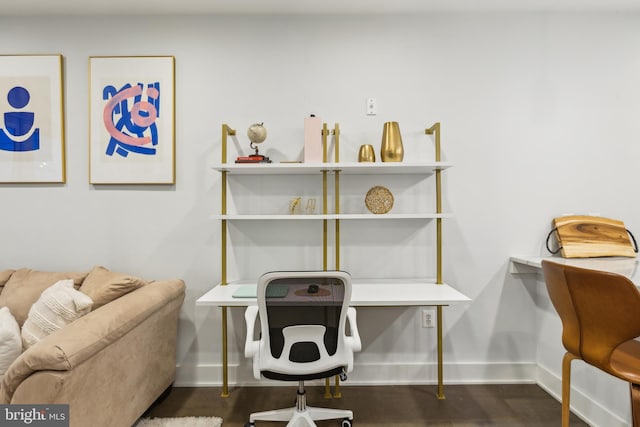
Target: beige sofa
109, 365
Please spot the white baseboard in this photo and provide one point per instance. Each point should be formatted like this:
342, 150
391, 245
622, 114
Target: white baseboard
375, 374
582, 405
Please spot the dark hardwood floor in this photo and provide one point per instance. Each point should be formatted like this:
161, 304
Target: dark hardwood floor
509, 405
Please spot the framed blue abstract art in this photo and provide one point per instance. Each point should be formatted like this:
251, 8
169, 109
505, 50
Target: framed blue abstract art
31, 119
132, 120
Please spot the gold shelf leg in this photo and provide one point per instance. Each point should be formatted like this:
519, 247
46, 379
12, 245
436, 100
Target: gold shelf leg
440, 393
223, 247
336, 390
336, 145
435, 130
226, 131
224, 143
336, 150
325, 223
336, 203
325, 148
225, 363
325, 134
337, 244
325, 263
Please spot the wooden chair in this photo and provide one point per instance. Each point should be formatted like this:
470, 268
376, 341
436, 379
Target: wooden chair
600, 315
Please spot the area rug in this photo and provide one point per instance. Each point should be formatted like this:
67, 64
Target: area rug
180, 422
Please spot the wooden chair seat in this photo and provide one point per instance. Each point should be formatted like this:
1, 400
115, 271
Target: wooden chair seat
625, 361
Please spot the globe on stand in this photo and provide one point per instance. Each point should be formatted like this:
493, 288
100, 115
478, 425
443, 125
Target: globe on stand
257, 133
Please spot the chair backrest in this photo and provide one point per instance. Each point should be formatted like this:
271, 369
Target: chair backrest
303, 318
599, 310
558, 290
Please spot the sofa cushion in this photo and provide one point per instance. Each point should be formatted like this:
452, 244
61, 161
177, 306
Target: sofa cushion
10, 341
103, 286
58, 305
4, 276
25, 286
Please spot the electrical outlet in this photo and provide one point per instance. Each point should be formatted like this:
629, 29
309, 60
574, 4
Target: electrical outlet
372, 107
428, 318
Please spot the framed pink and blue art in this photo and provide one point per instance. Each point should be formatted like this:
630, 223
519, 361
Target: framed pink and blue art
31, 119
132, 120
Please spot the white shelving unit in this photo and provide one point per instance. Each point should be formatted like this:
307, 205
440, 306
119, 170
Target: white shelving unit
337, 170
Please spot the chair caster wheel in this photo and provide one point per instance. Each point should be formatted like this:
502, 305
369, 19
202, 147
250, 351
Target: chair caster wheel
346, 423
250, 424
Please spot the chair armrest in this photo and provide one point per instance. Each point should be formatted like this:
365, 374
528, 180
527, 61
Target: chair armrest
354, 339
251, 346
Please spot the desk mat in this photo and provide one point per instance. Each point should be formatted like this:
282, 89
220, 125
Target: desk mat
250, 291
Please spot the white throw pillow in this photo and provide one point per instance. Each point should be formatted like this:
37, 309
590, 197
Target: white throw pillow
10, 342
58, 305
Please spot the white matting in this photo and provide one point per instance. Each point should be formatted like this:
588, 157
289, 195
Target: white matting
180, 422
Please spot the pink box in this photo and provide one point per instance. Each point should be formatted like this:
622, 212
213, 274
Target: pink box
312, 140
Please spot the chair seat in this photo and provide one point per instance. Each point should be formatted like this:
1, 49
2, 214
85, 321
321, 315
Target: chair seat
303, 377
625, 361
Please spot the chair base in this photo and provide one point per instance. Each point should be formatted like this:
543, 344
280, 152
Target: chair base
304, 418
302, 415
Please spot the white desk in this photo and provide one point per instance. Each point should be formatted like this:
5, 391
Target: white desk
368, 293
364, 293
621, 265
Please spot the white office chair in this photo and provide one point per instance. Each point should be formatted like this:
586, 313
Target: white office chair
303, 317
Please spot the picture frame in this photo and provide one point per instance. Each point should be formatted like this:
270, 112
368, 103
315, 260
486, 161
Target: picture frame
32, 138
132, 120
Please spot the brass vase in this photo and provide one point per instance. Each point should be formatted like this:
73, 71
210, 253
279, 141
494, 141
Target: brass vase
366, 153
391, 149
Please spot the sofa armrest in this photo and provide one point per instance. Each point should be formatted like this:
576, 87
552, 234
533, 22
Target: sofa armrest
75, 343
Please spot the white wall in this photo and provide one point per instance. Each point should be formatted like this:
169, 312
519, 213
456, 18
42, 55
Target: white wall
539, 115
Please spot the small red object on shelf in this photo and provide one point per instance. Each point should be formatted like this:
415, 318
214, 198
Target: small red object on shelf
254, 158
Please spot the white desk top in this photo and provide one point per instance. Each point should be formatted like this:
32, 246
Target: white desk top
621, 265
365, 293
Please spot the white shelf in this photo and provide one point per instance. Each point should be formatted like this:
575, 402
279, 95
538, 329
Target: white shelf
270, 217
392, 216
353, 168
286, 217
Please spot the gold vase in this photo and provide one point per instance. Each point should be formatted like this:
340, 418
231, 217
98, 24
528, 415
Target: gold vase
366, 153
391, 149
